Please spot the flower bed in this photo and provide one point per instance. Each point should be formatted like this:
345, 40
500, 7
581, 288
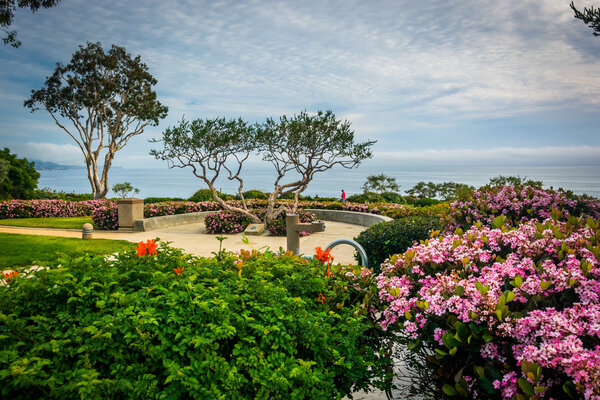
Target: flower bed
48, 208
157, 323
226, 222
500, 313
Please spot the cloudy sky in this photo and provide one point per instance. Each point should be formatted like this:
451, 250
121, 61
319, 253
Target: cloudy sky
434, 82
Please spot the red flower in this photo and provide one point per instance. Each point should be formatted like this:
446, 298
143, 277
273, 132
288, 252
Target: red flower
179, 270
10, 275
323, 256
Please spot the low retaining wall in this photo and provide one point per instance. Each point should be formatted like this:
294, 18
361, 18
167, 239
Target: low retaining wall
350, 217
166, 221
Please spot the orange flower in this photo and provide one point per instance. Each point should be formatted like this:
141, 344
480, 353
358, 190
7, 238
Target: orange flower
151, 246
179, 270
141, 249
148, 247
323, 256
321, 298
10, 275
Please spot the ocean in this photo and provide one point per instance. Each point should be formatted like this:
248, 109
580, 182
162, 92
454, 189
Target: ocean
182, 183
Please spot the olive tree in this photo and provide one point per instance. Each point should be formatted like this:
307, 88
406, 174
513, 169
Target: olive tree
212, 148
298, 148
7, 14
107, 97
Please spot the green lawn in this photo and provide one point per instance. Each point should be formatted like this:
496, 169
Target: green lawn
24, 250
54, 222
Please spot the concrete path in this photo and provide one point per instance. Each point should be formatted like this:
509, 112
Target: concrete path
194, 239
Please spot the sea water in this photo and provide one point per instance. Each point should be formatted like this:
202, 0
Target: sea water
165, 182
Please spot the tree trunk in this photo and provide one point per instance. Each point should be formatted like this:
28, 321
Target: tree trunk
226, 206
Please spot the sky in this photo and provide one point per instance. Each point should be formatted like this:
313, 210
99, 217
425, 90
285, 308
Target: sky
448, 82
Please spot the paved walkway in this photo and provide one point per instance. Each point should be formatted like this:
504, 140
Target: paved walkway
194, 239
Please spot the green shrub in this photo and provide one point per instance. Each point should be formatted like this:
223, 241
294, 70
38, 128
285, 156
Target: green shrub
49, 194
410, 199
367, 197
252, 326
255, 194
440, 210
393, 197
393, 237
19, 177
154, 200
424, 202
202, 195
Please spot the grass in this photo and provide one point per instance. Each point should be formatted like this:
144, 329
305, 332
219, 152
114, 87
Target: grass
53, 222
24, 250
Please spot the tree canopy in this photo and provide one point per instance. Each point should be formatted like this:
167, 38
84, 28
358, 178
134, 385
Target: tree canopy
20, 176
590, 16
108, 99
298, 147
380, 183
7, 14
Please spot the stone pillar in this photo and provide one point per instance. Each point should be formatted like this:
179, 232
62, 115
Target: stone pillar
293, 227
130, 210
87, 231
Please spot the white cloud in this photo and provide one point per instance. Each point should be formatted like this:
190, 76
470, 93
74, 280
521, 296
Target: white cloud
549, 155
65, 154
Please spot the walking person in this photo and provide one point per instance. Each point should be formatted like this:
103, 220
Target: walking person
343, 196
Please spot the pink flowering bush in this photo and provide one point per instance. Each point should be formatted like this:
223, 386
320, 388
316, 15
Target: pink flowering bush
226, 222
499, 313
48, 208
518, 204
178, 207
106, 217
277, 226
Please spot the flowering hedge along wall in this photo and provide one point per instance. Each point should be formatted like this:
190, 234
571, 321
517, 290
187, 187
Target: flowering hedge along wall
157, 323
48, 208
226, 222
502, 313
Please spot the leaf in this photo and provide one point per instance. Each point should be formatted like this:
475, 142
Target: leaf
526, 386
449, 390
498, 222
459, 290
462, 330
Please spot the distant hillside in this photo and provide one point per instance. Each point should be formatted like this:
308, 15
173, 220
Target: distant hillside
48, 165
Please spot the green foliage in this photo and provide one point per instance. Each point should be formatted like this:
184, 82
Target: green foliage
446, 190
382, 240
202, 195
251, 326
255, 194
393, 197
107, 97
20, 178
153, 200
366, 197
590, 16
7, 13
439, 210
23, 250
424, 202
49, 194
514, 181
123, 189
380, 183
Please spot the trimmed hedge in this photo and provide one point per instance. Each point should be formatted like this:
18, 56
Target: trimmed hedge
387, 238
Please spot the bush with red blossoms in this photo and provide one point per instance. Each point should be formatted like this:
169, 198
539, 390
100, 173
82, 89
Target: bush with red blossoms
518, 204
501, 313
